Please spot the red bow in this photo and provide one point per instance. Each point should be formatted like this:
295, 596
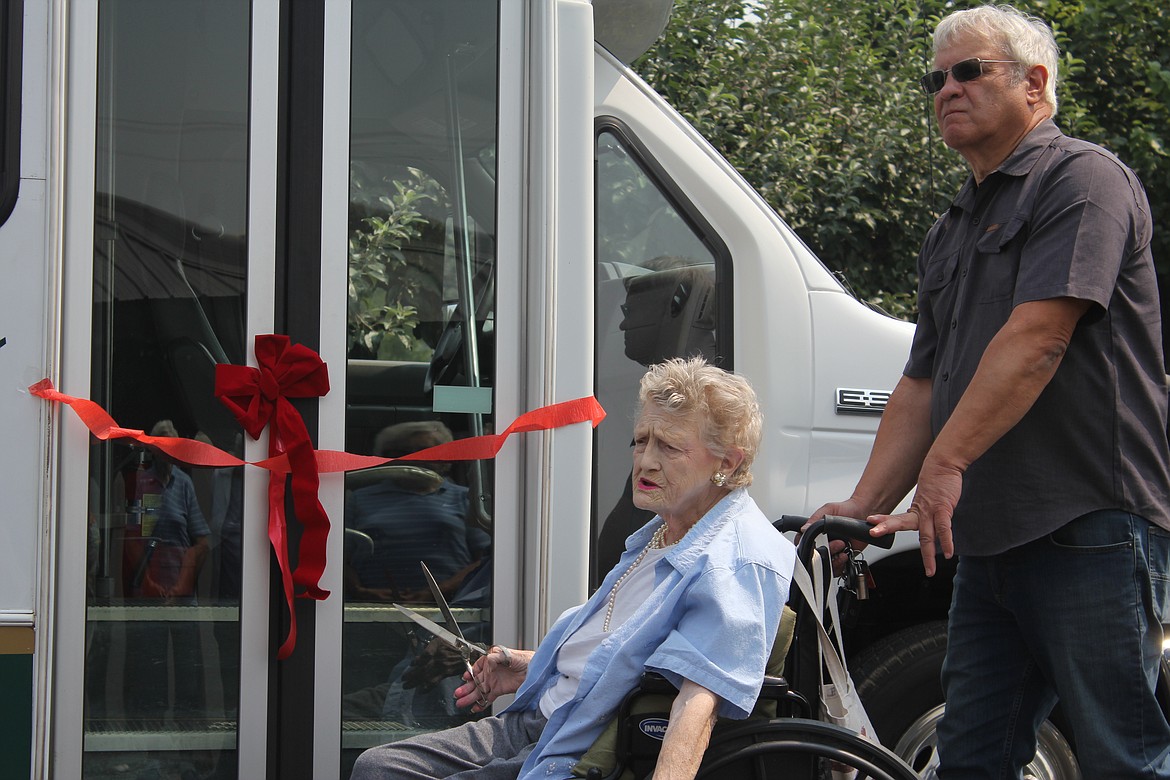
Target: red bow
258, 396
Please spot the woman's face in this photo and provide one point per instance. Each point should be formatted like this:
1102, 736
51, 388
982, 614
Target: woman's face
673, 467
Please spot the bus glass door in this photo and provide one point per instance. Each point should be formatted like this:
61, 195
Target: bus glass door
420, 355
169, 269
196, 250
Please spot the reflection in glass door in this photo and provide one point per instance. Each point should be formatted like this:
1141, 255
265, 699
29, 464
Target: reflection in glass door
421, 354
163, 579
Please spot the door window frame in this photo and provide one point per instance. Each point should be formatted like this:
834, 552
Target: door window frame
694, 218
671, 192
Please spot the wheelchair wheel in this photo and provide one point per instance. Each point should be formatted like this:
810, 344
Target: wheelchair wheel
767, 751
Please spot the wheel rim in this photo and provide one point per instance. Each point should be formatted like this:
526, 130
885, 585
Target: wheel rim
1054, 759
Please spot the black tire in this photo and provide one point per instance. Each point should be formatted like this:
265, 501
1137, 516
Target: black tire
898, 679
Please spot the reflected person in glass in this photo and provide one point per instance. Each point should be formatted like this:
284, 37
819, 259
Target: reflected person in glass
173, 547
413, 512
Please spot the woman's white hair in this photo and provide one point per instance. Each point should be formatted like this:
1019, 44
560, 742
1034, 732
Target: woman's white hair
723, 403
1018, 36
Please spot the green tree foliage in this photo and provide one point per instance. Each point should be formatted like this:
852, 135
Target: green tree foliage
386, 279
1116, 90
817, 103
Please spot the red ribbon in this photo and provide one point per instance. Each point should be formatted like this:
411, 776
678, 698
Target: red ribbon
258, 397
104, 427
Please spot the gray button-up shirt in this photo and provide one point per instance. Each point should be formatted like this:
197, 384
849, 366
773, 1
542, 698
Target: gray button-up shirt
1059, 218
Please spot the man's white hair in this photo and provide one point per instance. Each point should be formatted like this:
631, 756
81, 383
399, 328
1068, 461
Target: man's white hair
1018, 36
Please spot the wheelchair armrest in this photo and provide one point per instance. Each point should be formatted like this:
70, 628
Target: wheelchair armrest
774, 684
777, 689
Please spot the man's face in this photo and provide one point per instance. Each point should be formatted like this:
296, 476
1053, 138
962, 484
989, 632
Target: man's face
981, 114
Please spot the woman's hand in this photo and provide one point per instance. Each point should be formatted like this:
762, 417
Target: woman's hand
497, 674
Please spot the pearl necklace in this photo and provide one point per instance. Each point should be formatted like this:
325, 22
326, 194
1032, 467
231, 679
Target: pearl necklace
657, 542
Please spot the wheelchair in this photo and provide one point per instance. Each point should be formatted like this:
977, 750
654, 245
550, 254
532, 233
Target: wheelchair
782, 739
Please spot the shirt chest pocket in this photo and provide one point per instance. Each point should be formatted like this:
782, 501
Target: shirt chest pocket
939, 290
997, 260
939, 273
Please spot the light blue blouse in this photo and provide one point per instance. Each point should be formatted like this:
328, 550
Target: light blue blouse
711, 619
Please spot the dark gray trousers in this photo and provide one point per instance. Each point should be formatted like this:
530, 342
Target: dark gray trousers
492, 748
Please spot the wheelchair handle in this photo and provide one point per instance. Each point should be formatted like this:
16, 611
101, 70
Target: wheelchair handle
837, 528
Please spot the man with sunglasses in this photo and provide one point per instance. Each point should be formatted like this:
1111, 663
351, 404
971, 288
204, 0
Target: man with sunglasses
1031, 415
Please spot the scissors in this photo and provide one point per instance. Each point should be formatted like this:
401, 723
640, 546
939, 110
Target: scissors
452, 635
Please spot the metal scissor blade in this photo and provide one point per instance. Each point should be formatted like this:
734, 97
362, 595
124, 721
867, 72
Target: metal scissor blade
458, 642
452, 624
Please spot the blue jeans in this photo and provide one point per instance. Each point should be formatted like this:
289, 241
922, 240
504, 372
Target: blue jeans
1075, 616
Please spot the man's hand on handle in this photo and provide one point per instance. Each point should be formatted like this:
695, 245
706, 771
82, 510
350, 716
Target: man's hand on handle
930, 513
939, 487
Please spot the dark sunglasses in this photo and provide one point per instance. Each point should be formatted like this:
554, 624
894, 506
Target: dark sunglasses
965, 70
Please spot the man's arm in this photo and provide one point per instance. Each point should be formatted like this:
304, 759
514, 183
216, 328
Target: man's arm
902, 441
1015, 368
692, 716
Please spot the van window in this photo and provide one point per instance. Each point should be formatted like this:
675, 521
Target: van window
657, 296
11, 18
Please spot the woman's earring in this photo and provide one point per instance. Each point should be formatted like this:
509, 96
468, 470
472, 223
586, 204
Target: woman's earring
719, 478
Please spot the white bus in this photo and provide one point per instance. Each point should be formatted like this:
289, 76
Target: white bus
469, 209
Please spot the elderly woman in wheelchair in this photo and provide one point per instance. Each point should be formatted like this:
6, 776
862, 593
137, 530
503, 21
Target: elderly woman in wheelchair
696, 597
